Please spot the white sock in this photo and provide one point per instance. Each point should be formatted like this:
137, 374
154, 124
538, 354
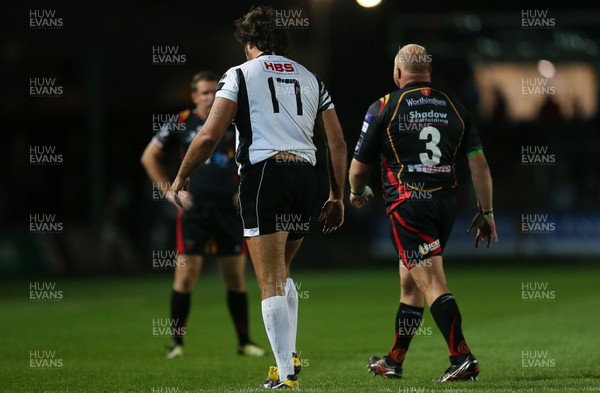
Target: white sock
277, 323
291, 295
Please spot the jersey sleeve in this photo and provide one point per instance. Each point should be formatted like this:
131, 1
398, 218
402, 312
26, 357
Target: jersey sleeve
228, 86
368, 147
325, 101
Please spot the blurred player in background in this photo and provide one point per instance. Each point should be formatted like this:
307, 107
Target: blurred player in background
276, 104
211, 225
418, 131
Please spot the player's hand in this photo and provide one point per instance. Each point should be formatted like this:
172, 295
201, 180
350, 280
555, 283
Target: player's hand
179, 196
486, 229
332, 214
361, 200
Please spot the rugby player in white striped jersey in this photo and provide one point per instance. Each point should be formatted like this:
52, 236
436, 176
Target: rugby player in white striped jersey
276, 104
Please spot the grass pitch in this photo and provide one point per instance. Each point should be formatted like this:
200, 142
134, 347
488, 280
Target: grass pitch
533, 329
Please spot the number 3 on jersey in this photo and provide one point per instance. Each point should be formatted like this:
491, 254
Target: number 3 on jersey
433, 154
285, 82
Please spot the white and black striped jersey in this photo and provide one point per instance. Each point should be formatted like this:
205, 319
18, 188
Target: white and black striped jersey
278, 102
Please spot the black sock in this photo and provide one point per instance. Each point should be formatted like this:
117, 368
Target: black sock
237, 302
180, 308
408, 319
447, 316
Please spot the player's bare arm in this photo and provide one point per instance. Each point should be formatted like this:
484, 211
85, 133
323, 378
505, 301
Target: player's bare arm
222, 113
329, 127
482, 182
359, 175
152, 162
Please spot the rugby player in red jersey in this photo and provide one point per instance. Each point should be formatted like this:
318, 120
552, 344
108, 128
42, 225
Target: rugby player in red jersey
418, 131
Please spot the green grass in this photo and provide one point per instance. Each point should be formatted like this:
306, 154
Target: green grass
102, 331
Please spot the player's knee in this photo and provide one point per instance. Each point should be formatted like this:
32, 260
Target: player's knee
273, 287
409, 289
185, 282
422, 284
239, 287
234, 282
438, 283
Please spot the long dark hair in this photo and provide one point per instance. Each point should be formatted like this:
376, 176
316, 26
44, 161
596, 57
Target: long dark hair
259, 26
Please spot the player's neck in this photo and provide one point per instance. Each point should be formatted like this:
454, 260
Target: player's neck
415, 78
253, 53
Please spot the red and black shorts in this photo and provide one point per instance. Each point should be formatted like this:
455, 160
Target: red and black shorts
277, 197
211, 227
421, 226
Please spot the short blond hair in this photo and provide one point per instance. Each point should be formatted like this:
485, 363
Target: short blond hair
413, 59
